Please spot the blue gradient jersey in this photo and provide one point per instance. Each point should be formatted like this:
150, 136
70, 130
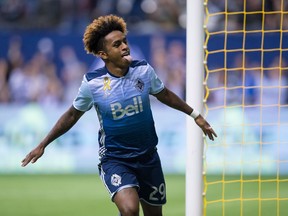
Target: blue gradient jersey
123, 107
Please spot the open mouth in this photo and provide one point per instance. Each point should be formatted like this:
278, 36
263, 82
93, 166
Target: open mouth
127, 56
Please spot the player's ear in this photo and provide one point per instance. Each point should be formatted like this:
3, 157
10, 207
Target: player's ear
102, 55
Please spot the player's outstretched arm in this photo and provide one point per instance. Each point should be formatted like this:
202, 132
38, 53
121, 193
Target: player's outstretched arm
65, 122
171, 99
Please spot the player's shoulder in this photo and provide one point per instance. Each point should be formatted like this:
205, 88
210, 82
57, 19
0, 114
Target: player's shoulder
96, 73
138, 63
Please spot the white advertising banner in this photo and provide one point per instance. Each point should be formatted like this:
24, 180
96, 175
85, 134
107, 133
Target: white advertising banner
22, 127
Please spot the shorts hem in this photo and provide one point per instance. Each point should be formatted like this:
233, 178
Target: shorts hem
153, 204
121, 188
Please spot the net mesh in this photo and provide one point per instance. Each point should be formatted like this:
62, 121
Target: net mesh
246, 74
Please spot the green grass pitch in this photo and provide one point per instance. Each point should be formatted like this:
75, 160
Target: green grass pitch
74, 195
259, 198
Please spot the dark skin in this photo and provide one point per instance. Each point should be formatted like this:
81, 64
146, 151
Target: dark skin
114, 52
116, 55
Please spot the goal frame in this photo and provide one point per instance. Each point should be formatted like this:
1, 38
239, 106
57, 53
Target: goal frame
194, 97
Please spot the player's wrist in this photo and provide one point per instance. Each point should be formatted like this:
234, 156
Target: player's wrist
195, 113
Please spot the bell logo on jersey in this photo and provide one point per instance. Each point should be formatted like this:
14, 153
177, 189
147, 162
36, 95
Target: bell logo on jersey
118, 112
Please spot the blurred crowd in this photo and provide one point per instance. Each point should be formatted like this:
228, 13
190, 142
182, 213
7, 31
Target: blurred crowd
73, 15
42, 80
143, 16
248, 83
38, 79
52, 77
255, 14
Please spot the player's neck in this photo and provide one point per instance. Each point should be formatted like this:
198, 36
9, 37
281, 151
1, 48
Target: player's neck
117, 71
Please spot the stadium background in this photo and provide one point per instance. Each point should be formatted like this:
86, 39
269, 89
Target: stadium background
42, 62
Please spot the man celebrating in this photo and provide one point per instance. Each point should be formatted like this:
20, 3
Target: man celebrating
129, 167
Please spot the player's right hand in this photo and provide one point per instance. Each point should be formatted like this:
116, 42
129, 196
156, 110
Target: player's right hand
33, 156
206, 128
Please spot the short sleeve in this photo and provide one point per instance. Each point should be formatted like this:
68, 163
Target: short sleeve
84, 100
156, 84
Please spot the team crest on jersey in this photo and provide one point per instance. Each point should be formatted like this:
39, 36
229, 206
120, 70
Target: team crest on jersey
106, 85
139, 85
115, 180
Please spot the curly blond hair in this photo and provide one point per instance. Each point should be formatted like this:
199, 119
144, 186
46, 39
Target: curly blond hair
98, 29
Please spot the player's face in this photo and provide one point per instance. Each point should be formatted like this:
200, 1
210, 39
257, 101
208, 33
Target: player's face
117, 51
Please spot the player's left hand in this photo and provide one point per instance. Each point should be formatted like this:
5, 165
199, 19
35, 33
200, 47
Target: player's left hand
206, 128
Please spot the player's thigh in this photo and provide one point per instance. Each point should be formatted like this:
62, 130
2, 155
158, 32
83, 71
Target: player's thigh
127, 201
150, 210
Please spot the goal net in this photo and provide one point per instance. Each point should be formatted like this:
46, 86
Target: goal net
246, 72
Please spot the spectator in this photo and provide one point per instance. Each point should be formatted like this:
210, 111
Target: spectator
72, 71
272, 83
4, 89
172, 74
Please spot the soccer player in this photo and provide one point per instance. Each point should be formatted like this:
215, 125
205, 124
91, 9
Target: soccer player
129, 167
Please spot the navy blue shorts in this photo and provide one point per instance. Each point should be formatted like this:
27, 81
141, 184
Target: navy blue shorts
144, 173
